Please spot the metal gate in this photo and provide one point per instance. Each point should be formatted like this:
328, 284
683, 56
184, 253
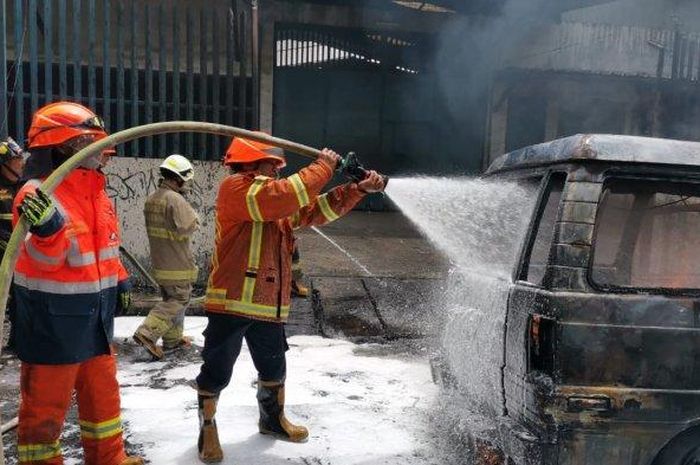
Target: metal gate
370, 91
133, 63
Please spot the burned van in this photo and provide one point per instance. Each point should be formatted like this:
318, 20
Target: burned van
600, 361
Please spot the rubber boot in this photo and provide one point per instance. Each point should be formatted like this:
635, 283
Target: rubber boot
272, 419
132, 461
208, 443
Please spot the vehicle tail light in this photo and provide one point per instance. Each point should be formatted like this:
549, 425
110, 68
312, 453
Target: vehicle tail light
541, 343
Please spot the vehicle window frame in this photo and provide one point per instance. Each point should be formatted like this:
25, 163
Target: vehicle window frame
616, 289
545, 189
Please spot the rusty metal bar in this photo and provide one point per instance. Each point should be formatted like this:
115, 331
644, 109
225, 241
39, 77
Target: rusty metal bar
48, 52
3, 69
62, 51
676, 54
190, 77
92, 42
202, 150
19, 70
176, 76
134, 81
230, 43
242, 72
148, 77
162, 75
255, 63
33, 56
121, 103
216, 83
106, 71
77, 62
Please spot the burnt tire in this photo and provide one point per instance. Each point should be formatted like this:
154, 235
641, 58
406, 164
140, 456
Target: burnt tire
682, 450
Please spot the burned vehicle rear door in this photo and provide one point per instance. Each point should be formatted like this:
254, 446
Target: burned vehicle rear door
646, 257
525, 346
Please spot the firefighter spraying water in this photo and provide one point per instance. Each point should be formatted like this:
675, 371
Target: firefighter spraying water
249, 288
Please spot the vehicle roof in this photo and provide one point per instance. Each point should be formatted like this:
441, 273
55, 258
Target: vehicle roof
601, 147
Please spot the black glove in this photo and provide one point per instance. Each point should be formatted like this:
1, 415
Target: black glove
123, 297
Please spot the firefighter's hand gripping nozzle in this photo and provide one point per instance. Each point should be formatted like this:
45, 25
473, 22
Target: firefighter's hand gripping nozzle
353, 170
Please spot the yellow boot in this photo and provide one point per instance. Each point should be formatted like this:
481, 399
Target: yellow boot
132, 461
208, 443
272, 418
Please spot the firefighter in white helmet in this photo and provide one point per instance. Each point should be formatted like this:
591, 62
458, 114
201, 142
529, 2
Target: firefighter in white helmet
170, 223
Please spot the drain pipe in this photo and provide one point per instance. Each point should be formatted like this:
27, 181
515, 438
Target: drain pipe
19, 233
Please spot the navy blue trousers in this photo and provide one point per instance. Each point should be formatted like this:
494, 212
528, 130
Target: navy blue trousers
222, 344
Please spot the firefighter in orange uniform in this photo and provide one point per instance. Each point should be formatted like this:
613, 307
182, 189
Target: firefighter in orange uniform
69, 281
249, 288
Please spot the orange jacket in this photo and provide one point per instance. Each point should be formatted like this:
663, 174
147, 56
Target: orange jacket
255, 216
66, 278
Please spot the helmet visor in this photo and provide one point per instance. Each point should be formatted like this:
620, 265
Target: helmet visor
78, 143
94, 123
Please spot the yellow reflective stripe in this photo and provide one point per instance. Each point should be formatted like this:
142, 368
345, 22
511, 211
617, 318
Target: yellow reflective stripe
251, 202
248, 308
216, 295
253, 261
215, 255
248, 288
38, 452
326, 209
295, 220
173, 275
6, 216
299, 189
162, 233
255, 245
101, 430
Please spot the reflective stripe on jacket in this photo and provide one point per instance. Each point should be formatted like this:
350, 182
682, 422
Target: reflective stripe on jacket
66, 283
170, 223
255, 217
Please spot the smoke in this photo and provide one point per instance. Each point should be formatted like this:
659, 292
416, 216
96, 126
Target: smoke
470, 51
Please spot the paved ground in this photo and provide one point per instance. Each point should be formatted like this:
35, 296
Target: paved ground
391, 303
385, 243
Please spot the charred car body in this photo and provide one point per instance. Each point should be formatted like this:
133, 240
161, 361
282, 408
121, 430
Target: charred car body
600, 359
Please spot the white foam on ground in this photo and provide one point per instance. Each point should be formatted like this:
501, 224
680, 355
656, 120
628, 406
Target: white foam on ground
360, 409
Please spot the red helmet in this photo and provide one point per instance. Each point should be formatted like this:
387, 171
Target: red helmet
249, 151
58, 122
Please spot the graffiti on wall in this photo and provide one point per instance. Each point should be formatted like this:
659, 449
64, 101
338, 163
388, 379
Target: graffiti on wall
131, 181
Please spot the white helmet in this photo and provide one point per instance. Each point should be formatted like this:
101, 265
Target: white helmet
179, 165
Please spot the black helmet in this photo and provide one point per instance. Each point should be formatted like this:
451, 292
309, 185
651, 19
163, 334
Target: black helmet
10, 149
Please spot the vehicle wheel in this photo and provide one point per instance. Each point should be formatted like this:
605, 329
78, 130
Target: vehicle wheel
682, 450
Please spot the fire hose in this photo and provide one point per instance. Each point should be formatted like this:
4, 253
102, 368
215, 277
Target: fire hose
350, 166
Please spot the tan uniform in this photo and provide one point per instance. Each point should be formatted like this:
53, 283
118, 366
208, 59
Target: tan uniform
170, 223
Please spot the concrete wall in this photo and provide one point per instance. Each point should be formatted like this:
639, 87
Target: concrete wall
650, 13
576, 104
596, 48
130, 181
